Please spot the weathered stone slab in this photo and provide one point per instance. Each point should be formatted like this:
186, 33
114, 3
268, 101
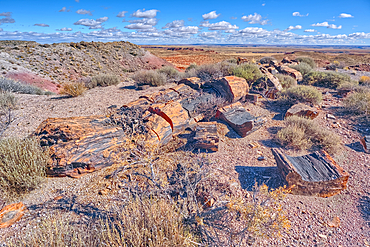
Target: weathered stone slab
231, 88
302, 110
206, 137
365, 141
11, 214
193, 82
79, 145
292, 72
239, 119
316, 174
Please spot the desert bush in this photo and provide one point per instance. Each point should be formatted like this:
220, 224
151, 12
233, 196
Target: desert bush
191, 67
22, 165
249, 72
266, 60
170, 72
7, 104
17, 87
303, 134
307, 60
208, 72
232, 60
209, 107
286, 81
7, 100
302, 94
364, 80
73, 89
103, 80
326, 79
303, 68
149, 77
358, 102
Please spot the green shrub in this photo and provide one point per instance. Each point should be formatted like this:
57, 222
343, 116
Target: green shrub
22, 166
249, 72
103, 80
302, 94
149, 77
232, 60
303, 68
307, 60
191, 67
7, 100
358, 102
303, 134
73, 89
170, 72
17, 87
267, 60
286, 81
326, 79
208, 72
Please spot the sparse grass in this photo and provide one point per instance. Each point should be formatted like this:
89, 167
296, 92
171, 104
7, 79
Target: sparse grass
302, 94
103, 80
358, 102
191, 67
326, 79
149, 77
249, 72
7, 100
209, 107
266, 60
208, 72
305, 134
303, 68
286, 81
307, 60
22, 166
73, 89
170, 72
17, 87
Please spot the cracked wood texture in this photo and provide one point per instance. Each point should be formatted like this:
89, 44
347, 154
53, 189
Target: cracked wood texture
206, 136
315, 174
302, 110
231, 88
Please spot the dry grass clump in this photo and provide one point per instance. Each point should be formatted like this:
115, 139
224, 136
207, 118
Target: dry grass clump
149, 77
7, 100
286, 81
22, 166
358, 102
302, 94
73, 89
249, 72
302, 67
364, 80
103, 80
17, 87
209, 106
326, 79
305, 134
170, 72
307, 60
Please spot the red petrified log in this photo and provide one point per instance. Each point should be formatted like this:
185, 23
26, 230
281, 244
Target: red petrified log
302, 110
232, 88
292, 72
206, 137
316, 174
11, 214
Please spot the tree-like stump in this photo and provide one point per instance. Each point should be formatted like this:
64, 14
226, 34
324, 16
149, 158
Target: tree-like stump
206, 136
365, 141
302, 110
316, 174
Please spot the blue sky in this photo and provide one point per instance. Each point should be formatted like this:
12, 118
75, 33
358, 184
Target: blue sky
188, 22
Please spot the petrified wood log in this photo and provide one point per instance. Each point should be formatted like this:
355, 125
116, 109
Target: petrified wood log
11, 214
272, 81
316, 174
292, 72
231, 88
206, 137
302, 110
365, 141
239, 119
79, 145
193, 82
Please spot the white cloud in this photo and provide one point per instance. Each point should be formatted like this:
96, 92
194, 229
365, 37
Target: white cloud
263, 4
222, 25
323, 24
310, 30
145, 14
359, 35
255, 19
64, 29
7, 14
210, 35
77, 1
64, 9
211, 15
139, 26
84, 12
41, 25
344, 15
91, 23
293, 27
121, 14
146, 21
174, 24
299, 14
335, 26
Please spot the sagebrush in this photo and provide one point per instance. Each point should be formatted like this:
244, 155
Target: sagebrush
149, 77
302, 67
307, 60
250, 72
18, 87
301, 94
286, 81
103, 80
73, 89
326, 79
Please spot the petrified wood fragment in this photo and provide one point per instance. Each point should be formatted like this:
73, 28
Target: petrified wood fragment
272, 81
11, 214
239, 119
365, 141
193, 82
231, 88
79, 145
292, 72
302, 110
206, 137
316, 174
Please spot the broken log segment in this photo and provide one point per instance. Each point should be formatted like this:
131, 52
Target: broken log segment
365, 141
11, 214
302, 110
193, 82
239, 119
206, 136
315, 174
231, 88
292, 72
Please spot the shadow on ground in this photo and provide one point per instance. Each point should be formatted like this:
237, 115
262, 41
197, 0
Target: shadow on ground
250, 175
128, 87
356, 146
364, 207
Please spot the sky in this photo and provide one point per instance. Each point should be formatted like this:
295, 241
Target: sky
300, 22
